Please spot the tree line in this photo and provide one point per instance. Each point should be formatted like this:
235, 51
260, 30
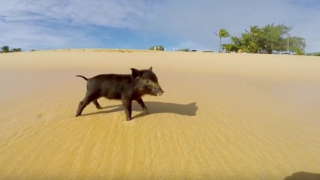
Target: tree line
269, 39
6, 49
266, 39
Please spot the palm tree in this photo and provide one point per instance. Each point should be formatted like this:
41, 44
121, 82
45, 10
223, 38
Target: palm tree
223, 33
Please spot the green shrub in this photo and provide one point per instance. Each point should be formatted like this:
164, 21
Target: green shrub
16, 50
6, 49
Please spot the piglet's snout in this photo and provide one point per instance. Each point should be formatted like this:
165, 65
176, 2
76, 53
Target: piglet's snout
160, 92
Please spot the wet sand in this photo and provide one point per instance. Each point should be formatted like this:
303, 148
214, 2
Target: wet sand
222, 116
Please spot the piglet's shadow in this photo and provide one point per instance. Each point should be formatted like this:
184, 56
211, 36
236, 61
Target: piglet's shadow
303, 176
154, 108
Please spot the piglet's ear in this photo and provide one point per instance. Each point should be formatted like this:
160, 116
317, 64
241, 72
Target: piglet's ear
135, 73
150, 69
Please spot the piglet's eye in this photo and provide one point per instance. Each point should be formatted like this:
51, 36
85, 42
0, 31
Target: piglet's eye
147, 81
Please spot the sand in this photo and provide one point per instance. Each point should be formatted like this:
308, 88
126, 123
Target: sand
222, 116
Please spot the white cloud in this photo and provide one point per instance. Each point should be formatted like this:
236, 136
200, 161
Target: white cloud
34, 23
191, 21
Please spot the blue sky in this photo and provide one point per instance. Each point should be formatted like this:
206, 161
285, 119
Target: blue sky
139, 24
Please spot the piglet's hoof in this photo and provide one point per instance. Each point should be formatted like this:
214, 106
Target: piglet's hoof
129, 119
145, 110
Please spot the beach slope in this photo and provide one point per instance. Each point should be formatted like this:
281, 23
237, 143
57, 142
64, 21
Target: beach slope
222, 116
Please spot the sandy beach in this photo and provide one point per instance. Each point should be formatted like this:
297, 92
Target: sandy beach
222, 116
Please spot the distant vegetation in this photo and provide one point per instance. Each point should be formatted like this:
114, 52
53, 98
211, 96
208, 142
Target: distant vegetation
313, 54
6, 49
266, 39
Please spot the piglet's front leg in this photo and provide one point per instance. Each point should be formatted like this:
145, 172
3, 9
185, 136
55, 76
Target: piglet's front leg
128, 108
144, 107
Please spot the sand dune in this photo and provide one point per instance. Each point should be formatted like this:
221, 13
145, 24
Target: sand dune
222, 116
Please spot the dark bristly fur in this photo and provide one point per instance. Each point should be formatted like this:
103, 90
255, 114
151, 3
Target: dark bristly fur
124, 87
